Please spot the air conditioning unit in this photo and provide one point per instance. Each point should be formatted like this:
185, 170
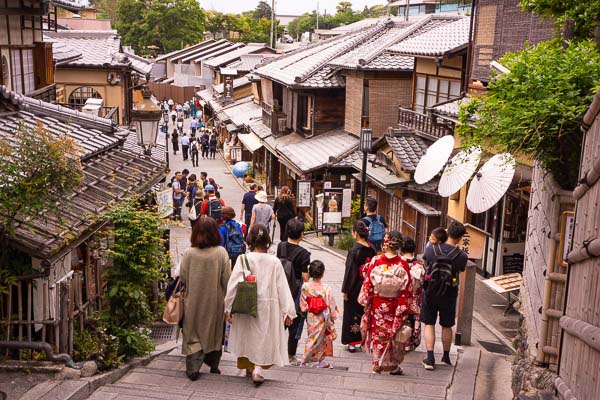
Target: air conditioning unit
92, 106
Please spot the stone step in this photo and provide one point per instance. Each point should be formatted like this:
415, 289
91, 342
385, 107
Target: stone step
342, 367
302, 382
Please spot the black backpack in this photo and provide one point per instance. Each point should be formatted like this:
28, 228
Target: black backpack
442, 273
195, 148
214, 209
234, 243
288, 268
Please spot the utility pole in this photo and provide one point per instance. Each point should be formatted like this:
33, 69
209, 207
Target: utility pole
271, 43
317, 15
407, 9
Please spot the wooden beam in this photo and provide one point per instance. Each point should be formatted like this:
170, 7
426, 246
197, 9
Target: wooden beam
585, 332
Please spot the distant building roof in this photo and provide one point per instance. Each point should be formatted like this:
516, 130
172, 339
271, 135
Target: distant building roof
237, 83
208, 47
101, 155
227, 48
183, 51
70, 5
249, 62
313, 153
97, 48
235, 55
139, 64
84, 23
448, 37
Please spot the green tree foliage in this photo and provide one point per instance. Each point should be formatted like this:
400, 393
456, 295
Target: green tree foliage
585, 14
263, 10
167, 25
37, 171
138, 256
536, 109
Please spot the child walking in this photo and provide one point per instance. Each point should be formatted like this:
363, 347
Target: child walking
316, 300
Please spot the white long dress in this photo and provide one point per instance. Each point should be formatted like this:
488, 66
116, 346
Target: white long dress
263, 340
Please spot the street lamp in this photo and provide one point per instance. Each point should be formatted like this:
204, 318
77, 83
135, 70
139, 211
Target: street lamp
146, 116
166, 126
365, 145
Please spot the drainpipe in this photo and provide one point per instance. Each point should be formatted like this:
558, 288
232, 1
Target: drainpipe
40, 346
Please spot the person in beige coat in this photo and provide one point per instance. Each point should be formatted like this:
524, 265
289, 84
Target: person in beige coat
260, 342
205, 271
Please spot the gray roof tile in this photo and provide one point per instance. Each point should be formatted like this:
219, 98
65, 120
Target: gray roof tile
408, 149
234, 55
97, 48
441, 36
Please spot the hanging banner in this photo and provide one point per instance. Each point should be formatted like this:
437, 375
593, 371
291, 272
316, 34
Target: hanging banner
164, 200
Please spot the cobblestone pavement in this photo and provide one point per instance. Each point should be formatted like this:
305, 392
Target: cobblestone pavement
351, 378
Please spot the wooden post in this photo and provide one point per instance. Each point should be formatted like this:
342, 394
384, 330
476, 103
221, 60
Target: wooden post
63, 317
465, 303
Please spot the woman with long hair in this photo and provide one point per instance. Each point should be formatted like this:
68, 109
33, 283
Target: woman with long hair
284, 210
204, 273
260, 342
386, 294
361, 253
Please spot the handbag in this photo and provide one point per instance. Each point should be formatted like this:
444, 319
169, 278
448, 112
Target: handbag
403, 334
246, 296
174, 309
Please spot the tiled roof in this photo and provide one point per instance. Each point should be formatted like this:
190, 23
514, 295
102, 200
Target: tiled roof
313, 153
243, 111
70, 5
139, 64
237, 83
111, 174
388, 61
451, 34
360, 56
427, 187
249, 62
450, 109
233, 55
177, 53
97, 48
207, 47
62, 52
223, 48
408, 149
307, 67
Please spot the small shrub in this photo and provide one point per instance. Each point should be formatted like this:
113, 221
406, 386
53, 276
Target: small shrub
345, 241
96, 343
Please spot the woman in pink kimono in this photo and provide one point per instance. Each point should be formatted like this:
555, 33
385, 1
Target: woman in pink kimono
316, 300
386, 295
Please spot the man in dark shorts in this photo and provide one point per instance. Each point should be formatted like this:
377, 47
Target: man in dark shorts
248, 202
444, 305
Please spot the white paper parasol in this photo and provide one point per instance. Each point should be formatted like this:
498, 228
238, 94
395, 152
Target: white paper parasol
490, 183
434, 159
459, 170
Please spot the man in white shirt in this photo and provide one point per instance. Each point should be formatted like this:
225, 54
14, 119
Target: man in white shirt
185, 145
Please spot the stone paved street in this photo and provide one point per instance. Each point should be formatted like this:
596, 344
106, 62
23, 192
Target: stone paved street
351, 378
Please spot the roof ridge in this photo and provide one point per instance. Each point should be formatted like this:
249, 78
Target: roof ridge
410, 30
344, 49
27, 103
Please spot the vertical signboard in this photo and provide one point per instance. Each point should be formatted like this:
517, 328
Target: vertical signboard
303, 194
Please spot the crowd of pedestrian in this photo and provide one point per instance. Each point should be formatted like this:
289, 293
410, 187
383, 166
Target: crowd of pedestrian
388, 292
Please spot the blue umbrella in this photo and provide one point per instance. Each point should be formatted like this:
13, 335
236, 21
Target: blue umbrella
199, 114
240, 168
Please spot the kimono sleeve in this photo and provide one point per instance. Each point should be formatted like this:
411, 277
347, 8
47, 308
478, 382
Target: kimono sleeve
333, 308
365, 296
235, 278
303, 295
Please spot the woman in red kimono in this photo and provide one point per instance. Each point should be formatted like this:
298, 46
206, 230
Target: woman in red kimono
386, 295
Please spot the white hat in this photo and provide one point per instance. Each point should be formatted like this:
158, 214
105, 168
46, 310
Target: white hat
261, 196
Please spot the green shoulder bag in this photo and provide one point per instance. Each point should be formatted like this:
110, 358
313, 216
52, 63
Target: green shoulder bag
246, 296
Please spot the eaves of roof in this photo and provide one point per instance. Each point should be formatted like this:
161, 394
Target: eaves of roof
183, 51
201, 50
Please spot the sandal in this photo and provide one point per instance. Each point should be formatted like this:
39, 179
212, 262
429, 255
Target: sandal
257, 378
397, 371
324, 364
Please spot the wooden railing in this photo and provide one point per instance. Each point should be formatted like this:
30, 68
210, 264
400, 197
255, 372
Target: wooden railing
47, 94
275, 120
422, 124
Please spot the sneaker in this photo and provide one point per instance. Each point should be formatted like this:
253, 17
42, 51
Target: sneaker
446, 360
397, 371
294, 360
429, 364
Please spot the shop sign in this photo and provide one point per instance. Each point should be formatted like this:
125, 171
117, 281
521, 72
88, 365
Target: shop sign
332, 210
347, 205
303, 194
228, 87
567, 227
